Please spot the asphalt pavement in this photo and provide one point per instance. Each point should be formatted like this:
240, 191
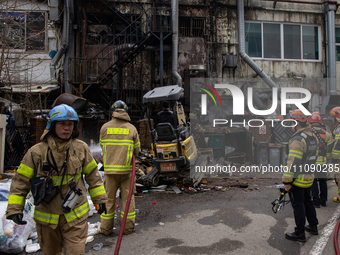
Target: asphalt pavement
233, 221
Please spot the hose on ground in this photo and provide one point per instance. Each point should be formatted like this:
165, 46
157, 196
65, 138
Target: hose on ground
336, 233
122, 225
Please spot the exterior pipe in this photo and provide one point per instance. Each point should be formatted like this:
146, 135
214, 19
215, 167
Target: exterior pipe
161, 59
65, 42
174, 14
330, 11
242, 47
70, 41
296, 2
326, 56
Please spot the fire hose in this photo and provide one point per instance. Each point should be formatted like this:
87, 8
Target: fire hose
122, 225
336, 233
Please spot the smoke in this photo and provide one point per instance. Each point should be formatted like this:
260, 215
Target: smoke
95, 149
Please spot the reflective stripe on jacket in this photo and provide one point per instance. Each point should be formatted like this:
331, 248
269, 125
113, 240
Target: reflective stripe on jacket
80, 163
119, 141
336, 146
297, 154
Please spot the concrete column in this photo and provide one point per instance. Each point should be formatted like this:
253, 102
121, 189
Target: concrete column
2, 141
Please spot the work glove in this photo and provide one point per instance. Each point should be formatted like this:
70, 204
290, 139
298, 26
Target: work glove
102, 208
17, 218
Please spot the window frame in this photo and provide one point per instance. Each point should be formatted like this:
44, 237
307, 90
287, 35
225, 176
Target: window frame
336, 44
46, 45
190, 29
301, 25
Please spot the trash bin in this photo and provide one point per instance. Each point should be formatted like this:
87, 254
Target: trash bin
261, 153
217, 143
284, 154
274, 154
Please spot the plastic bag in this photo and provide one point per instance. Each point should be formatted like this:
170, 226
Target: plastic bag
4, 189
93, 229
17, 235
91, 205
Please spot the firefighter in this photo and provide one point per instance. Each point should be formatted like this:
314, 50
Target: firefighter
302, 152
119, 141
335, 113
166, 115
54, 169
324, 152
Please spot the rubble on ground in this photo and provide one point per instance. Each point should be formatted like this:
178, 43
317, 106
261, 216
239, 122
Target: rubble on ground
14, 238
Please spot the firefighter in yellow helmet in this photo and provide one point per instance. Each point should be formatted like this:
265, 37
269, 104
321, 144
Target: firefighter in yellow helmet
324, 152
120, 141
53, 169
297, 181
335, 113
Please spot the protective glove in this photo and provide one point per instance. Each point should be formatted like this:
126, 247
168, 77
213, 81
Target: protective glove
17, 218
102, 208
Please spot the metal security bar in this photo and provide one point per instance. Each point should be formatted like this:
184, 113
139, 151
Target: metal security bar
191, 27
281, 134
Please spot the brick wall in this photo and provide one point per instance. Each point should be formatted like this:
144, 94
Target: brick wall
144, 134
38, 126
256, 132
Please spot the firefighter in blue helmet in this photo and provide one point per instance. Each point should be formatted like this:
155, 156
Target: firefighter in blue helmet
53, 169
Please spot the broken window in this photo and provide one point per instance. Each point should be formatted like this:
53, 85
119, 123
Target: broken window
191, 27
282, 41
35, 31
23, 30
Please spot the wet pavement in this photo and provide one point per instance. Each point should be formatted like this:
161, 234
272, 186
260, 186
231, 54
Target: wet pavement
234, 221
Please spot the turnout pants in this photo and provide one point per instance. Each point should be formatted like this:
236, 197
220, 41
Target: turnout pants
337, 180
303, 206
70, 239
111, 183
319, 195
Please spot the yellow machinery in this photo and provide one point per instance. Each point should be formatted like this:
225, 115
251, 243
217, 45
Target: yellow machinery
173, 148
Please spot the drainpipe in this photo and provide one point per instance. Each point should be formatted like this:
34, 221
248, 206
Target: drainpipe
70, 52
242, 47
326, 46
65, 42
330, 9
174, 14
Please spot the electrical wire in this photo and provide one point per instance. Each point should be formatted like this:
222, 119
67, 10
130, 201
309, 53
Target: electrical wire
122, 225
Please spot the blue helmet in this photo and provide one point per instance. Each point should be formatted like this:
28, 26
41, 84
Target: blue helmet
62, 112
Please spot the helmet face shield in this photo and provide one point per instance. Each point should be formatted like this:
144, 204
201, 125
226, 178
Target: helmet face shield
299, 116
335, 112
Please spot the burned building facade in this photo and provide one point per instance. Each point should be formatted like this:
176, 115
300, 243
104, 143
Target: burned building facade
105, 50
